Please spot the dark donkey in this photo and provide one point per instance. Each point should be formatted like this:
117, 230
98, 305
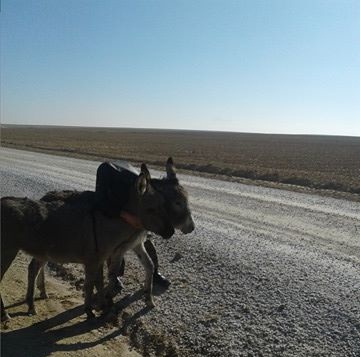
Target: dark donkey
176, 203
70, 230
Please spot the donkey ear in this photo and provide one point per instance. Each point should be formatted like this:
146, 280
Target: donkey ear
145, 171
170, 169
142, 184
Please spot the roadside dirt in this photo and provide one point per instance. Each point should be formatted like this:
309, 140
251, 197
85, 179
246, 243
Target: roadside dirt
60, 327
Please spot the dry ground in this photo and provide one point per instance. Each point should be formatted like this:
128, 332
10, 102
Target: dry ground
60, 327
266, 272
322, 162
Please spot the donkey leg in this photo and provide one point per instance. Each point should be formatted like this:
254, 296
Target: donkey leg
40, 283
33, 270
149, 271
115, 270
7, 258
90, 277
103, 303
157, 277
4, 315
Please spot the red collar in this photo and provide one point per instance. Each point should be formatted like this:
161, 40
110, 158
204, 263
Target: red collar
132, 220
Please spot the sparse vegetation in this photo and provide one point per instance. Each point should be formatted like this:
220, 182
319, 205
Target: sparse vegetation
324, 162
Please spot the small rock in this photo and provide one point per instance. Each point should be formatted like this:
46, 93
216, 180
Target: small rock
245, 308
176, 257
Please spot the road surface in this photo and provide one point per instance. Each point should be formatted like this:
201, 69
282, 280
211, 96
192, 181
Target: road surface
267, 272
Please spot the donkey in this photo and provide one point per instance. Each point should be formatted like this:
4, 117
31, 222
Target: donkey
177, 206
70, 231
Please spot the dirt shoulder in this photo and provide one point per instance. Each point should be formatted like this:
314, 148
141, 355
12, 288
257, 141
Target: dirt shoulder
60, 327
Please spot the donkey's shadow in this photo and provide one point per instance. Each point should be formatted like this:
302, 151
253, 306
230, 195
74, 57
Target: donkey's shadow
42, 338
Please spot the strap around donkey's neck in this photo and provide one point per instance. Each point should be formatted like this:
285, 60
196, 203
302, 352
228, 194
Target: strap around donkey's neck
131, 219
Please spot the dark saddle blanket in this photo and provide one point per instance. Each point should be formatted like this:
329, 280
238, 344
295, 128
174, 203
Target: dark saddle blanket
113, 183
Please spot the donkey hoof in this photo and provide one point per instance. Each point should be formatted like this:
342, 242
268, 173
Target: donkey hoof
111, 317
89, 314
150, 303
115, 289
5, 318
43, 295
31, 311
98, 307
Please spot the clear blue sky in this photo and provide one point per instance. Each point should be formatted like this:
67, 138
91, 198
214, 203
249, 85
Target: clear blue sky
271, 66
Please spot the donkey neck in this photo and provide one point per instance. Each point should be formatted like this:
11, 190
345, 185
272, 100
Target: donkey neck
132, 206
132, 220
111, 232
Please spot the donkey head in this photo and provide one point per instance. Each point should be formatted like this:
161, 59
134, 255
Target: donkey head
176, 199
151, 206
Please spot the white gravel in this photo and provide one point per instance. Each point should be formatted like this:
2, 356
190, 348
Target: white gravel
267, 272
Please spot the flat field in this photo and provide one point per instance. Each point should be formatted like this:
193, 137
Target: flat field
321, 162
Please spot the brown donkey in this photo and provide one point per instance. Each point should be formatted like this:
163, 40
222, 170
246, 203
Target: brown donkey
70, 230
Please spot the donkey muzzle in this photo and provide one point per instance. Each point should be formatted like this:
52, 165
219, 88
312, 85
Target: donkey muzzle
166, 234
188, 226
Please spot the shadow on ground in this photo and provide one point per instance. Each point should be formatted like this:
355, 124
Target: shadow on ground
45, 337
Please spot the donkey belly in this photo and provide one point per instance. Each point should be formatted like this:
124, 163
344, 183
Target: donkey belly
56, 254
62, 238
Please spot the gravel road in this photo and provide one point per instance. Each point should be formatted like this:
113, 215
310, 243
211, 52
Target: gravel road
267, 272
